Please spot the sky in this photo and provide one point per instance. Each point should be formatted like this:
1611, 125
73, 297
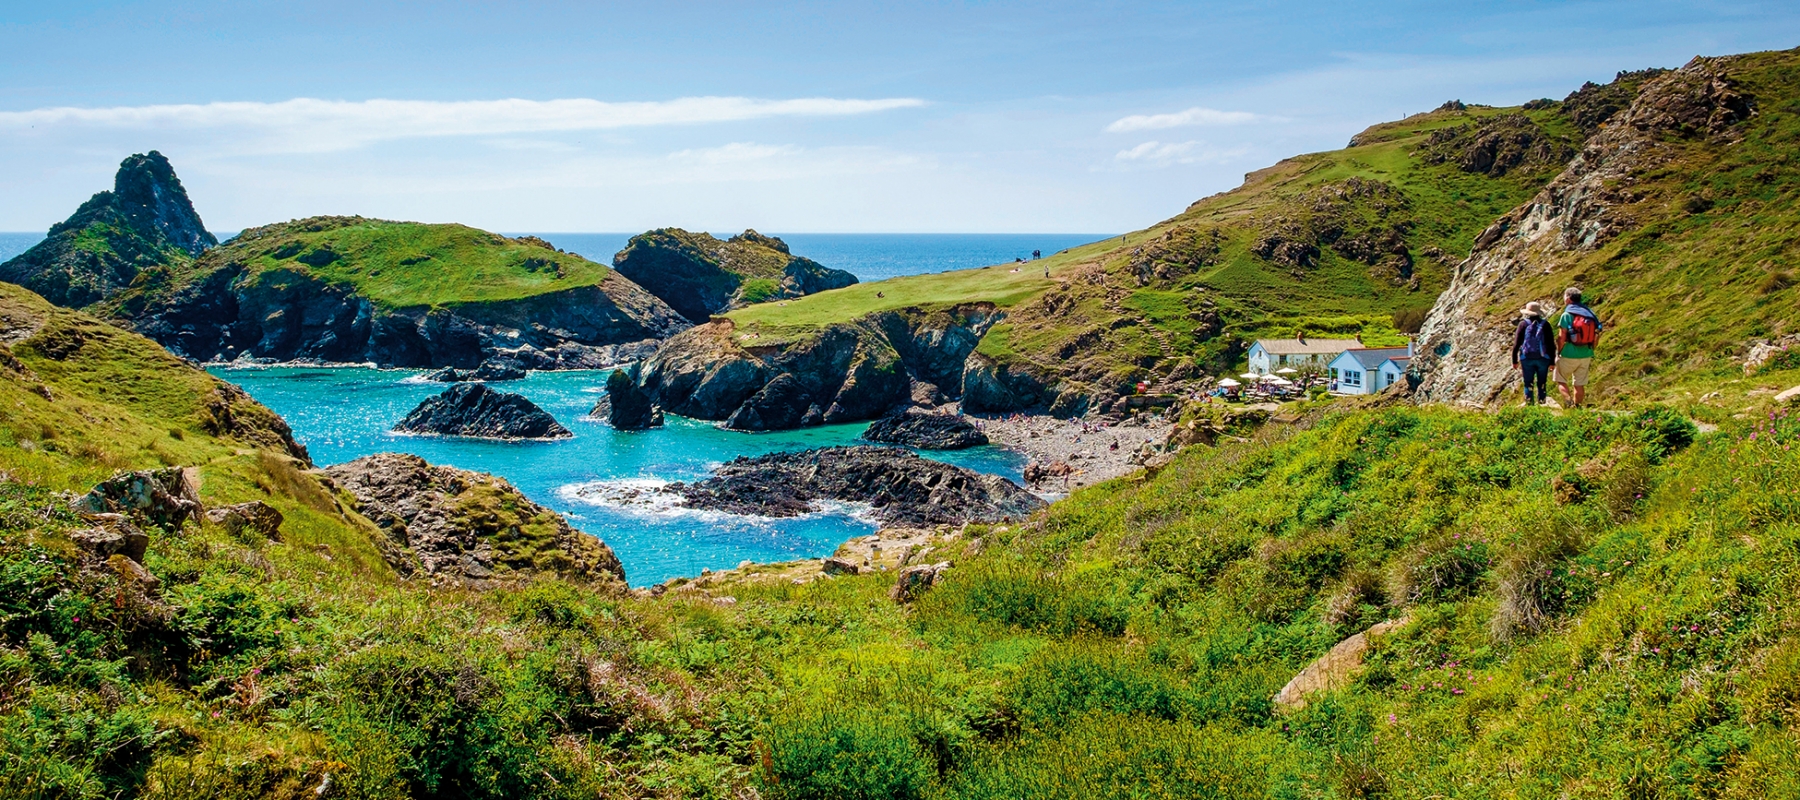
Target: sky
799, 117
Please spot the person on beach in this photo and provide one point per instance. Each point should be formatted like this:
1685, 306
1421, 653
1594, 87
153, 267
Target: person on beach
1578, 330
1533, 352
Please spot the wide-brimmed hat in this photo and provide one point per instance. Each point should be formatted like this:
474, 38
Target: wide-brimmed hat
1533, 309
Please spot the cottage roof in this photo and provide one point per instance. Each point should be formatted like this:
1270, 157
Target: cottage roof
1306, 347
1371, 357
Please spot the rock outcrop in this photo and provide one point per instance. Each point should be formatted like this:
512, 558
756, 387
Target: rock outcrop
454, 526
903, 488
1334, 669
254, 517
700, 276
474, 410
924, 430
146, 221
261, 296
489, 371
1465, 339
625, 406
166, 498
844, 373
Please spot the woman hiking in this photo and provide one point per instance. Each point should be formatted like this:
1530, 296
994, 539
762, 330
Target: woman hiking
1533, 352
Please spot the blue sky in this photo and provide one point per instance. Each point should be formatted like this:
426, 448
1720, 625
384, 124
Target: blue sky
821, 117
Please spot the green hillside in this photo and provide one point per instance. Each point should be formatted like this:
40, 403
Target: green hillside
1347, 241
394, 264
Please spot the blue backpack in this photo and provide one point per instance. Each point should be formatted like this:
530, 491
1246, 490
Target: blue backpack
1534, 345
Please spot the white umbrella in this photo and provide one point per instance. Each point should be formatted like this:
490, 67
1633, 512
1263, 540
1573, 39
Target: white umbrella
1287, 371
1281, 381
1251, 376
1229, 382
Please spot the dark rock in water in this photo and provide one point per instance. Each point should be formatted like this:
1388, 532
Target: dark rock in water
468, 528
146, 221
903, 488
472, 409
914, 428
163, 497
625, 406
489, 371
779, 405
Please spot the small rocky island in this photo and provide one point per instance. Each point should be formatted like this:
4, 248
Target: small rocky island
489, 370
911, 427
474, 410
903, 488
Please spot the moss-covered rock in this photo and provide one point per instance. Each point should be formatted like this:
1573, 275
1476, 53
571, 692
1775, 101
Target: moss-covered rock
701, 276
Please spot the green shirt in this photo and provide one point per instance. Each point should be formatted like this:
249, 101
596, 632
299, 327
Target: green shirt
1567, 323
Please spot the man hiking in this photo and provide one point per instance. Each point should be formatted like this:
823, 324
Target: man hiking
1577, 331
1533, 351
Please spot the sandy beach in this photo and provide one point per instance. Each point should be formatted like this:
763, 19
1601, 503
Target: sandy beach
1094, 451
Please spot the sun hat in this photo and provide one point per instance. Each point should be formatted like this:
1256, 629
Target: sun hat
1533, 309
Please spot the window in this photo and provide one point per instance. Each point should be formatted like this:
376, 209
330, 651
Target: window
1353, 377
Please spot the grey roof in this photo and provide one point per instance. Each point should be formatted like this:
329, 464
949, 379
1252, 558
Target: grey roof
1371, 357
1308, 347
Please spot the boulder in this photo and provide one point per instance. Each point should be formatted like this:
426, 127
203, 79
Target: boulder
839, 566
474, 410
1790, 396
913, 581
166, 498
255, 516
456, 527
112, 535
1332, 670
780, 404
489, 371
903, 488
914, 428
626, 407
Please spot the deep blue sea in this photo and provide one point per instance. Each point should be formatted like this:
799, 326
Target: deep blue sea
341, 414
868, 256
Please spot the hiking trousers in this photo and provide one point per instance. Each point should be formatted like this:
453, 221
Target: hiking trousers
1537, 374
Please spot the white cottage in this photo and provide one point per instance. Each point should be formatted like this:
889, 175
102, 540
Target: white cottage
1268, 355
1367, 370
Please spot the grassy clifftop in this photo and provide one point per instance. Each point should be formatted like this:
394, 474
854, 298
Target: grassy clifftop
394, 264
1357, 240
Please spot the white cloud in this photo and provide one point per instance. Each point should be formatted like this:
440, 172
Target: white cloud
734, 153
1191, 117
307, 125
1193, 152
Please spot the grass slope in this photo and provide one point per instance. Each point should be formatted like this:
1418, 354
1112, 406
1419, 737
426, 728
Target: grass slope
394, 264
1376, 226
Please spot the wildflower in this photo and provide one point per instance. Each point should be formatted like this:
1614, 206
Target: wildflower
1392, 719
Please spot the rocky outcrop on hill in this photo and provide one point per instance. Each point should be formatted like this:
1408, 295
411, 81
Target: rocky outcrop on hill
844, 373
926, 431
625, 406
145, 221
166, 498
903, 488
1465, 339
256, 298
455, 527
700, 276
474, 410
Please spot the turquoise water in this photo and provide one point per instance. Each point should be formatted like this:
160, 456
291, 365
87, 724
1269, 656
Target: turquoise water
344, 413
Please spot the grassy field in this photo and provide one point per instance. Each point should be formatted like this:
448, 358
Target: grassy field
403, 264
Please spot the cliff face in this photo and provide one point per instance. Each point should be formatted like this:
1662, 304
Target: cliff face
845, 373
1668, 267
293, 291
700, 276
145, 221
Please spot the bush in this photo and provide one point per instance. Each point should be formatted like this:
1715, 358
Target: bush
1532, 580
1105, 755
1020, 597
1069, 680
842, 754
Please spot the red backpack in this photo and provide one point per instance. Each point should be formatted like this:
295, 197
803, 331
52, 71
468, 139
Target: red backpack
1584, 328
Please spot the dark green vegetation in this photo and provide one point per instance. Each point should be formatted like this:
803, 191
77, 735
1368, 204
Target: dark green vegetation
394, 264
700, 276
144, 222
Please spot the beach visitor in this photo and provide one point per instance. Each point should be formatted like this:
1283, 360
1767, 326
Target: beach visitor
1533, 352
1578, 330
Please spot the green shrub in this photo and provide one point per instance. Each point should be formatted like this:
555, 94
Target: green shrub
1018, 596
843, 753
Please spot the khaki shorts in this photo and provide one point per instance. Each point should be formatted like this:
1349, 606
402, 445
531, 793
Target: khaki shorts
1572, 371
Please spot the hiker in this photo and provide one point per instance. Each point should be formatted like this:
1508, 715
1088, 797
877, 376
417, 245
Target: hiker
1533, 352
1037, 254
1578, 329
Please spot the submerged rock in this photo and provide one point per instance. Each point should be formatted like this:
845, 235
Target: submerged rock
472, 409
927, 431
902, 487
469, 528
